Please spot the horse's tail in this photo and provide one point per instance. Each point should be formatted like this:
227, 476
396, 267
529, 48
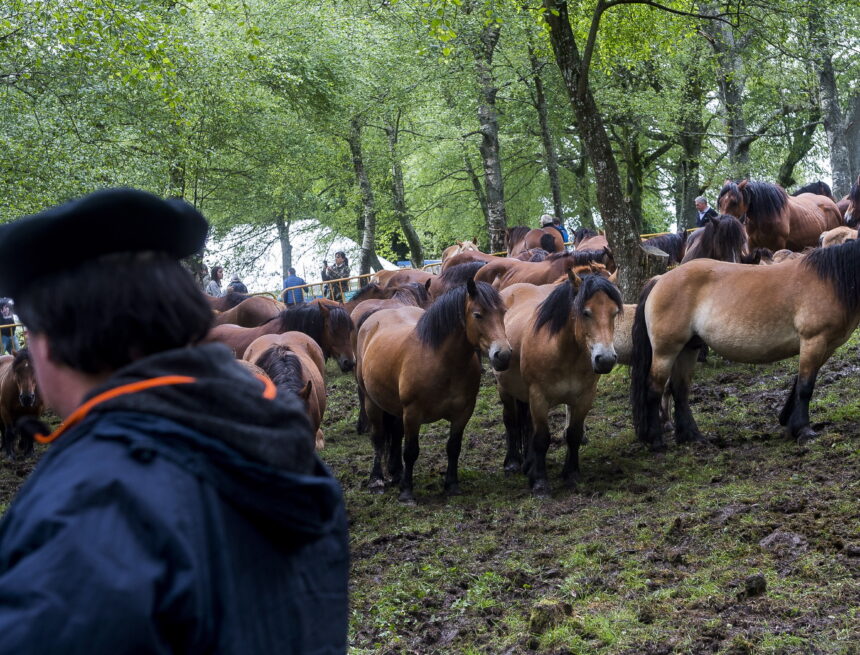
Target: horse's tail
640, 365
547, 242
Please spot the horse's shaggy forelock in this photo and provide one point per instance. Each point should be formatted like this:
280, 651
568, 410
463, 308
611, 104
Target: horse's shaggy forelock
765, 201
515, 234
283, 367
840, 266
21, 357
339, 321
818, 187
306, 318
413, 293
555, 311
448, 313
729, 188
459, 274
724, 240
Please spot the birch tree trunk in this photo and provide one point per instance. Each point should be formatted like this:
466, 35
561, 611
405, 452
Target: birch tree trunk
398, 196
283, 226
367, 255
546, 136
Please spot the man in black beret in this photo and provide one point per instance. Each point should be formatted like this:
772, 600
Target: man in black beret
162, 519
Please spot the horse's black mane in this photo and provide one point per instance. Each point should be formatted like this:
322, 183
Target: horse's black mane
306, 318
457, 275
412, 293
233, 298
720, 238
765, 201
579, 257
283, 367
818, 188
672, 244
515, 234
581, 233
372, 287
447, 314
852, 218
555, 310
839, 265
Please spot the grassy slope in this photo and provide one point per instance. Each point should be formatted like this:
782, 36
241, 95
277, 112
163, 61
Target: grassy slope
649, 555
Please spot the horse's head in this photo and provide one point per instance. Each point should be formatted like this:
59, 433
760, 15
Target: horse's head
725, 239
25, 379
731, 200
485, 323
852, 214
337, 331
595, 307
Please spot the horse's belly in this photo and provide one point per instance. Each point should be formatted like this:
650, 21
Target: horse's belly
758, 346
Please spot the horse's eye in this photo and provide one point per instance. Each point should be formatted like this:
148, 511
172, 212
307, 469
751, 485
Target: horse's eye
477, 315
587, 313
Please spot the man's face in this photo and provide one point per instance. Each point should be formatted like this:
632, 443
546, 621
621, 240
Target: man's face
700, 206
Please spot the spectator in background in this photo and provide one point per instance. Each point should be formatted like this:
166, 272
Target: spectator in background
705, 212
214, 287
10, 339
237, 285
293, 296
336, 272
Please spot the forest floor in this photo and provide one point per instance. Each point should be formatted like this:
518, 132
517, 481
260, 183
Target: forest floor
749, 544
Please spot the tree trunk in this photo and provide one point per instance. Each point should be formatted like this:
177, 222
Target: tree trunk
622, 228
852, 133
690, 139
398, 196
494, 187
286, 247
481, 196
834, 123
546, 137
801, 142
367, 255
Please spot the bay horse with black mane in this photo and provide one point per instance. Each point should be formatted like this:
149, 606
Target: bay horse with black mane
723, 238
19, 397
521, 237
752, 314
417, 367
330, 326
562, 339
775, 220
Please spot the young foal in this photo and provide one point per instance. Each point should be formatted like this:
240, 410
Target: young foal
808, 306
562, 339
18, 397
417, 367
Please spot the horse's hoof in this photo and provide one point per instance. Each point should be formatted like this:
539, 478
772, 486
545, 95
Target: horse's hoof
407, 498
805, 435
657, 446
571, 480
453, 490
512, 468
540, 489
376, 486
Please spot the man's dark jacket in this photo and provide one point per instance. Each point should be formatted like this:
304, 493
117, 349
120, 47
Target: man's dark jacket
709, 214
192, 518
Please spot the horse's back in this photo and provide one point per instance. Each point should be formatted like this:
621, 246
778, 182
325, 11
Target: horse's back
298, 342
809, 215
593, 243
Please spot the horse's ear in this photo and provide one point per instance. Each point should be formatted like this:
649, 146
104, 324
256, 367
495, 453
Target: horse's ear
575, 280
715, 221
323, 309
428, 283
614, 277
475, 240
471, 287
743, 184
305, 393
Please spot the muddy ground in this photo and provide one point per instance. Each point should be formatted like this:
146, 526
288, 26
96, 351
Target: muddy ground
750, 544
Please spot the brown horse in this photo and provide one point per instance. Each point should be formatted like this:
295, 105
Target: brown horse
403, 276
520, 237
852, 205
722, 238
776, 220
533, 255
295, 364
417, 367
754, 314
837, 236
453, 276
507, 271
19, 397
595, 242
330, 326
251, 312
466, 257
227, 301
562, 339
460, 246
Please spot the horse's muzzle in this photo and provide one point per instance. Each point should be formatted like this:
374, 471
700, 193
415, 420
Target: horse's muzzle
500, 357
27, 399
346, 364
603, 359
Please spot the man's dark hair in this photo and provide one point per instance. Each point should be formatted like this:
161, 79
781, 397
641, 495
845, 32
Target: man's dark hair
291, 271
110, 311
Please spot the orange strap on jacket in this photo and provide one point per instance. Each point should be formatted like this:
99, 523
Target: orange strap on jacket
269, 393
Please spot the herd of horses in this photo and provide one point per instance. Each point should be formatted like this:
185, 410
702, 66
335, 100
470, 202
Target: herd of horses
772, 277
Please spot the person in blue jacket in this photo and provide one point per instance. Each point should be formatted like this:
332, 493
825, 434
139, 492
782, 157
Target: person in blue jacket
548, 220
181, 507
293, 296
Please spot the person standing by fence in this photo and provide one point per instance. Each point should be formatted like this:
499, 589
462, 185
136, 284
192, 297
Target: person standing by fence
293, 296
214, 287
336, 272
7, 332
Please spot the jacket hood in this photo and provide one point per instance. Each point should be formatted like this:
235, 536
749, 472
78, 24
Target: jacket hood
258, 452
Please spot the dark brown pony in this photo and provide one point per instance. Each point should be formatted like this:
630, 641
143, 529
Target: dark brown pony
520, 237
19, 397
775, 220
507, 271
674, 245
852, 205
388, 279
294, 362
227, 301
722, 238
753, 314
562, 339
818, 187
330, 326
453, 276
416, 367
251, 312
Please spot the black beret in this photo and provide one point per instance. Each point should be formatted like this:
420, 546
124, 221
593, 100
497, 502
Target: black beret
101, 223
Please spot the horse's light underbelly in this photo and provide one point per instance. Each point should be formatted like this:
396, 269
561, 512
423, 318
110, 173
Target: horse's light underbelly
753, 344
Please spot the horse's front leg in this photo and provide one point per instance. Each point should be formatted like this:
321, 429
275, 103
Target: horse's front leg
813, 353
452, 448
539, 444
513, 433
411, 427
